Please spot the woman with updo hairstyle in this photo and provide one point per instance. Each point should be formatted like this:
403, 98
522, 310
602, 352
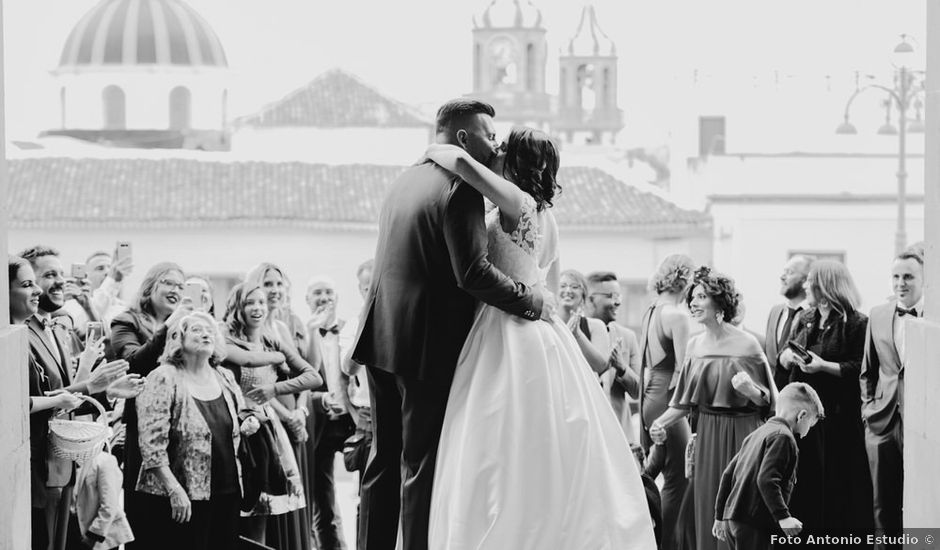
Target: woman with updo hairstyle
663, 342
726, 379
834, 492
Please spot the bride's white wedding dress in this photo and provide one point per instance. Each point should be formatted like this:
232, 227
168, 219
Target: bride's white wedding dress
531, 454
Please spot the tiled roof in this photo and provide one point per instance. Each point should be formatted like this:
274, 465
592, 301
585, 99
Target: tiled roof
69, 192
336, 99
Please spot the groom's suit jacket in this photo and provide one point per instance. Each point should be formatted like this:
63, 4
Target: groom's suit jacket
430, 270
882, 374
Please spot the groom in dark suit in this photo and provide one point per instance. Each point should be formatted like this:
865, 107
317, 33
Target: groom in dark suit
430, 272
882, 380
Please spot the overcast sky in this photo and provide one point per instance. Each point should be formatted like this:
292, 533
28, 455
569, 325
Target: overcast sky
419, 51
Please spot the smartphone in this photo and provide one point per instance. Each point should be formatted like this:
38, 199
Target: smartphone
94, 331
800, 351
193, 291
123, 250
79, 271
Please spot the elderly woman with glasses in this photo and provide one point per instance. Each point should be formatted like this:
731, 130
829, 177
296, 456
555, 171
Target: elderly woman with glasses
139, 335
190, 479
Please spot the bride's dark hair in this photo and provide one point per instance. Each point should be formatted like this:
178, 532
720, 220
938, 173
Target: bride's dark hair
532, 164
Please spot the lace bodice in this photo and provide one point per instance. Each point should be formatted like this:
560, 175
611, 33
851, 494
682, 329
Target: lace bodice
525, 253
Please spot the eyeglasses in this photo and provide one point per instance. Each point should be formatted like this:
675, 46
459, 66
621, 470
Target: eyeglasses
199, 329
615, 296
172, 284
566, 286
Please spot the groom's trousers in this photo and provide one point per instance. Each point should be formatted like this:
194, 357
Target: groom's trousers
407, 417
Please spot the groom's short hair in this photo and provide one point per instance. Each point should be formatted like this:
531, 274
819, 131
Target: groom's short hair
460, 108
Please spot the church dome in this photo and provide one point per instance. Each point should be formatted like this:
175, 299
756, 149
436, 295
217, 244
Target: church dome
142, 32
589, 40
509, 14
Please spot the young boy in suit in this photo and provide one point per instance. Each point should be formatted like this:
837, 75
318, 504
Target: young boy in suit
756, 486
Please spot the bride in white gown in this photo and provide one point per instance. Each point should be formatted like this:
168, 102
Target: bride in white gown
531, 454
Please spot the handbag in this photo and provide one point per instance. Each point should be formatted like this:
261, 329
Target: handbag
356, 451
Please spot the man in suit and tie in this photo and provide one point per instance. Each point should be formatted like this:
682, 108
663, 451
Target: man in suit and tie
621, 382
330, 414
882, 386
49, 352
782, 316
431, 270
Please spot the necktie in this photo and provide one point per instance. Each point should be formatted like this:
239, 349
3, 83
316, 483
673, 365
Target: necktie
785, 334
902, 312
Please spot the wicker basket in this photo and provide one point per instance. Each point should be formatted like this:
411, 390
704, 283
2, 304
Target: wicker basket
78, 440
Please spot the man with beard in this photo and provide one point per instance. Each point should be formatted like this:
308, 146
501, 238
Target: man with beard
782, 316
50, 354
431, 271
622, 379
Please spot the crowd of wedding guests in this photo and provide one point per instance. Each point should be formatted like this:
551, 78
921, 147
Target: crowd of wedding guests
225, 419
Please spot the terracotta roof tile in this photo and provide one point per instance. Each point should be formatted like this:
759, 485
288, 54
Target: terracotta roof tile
56, 191
336, 99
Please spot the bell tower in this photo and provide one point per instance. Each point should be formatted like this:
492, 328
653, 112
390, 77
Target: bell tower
509, 56
587, 102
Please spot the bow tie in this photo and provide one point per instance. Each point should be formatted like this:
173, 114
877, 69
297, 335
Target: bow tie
902, 312
332, 330
46, 322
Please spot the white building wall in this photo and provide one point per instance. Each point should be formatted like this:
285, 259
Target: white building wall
632, 258
303, 253
798, 114
391, 146
147, 97
753, 242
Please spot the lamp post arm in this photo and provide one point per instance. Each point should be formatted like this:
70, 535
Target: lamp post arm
893, 93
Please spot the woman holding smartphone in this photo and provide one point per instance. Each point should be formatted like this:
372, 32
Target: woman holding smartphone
139, 335
834, 490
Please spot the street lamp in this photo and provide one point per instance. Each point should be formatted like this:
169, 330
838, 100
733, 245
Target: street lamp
902, 95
